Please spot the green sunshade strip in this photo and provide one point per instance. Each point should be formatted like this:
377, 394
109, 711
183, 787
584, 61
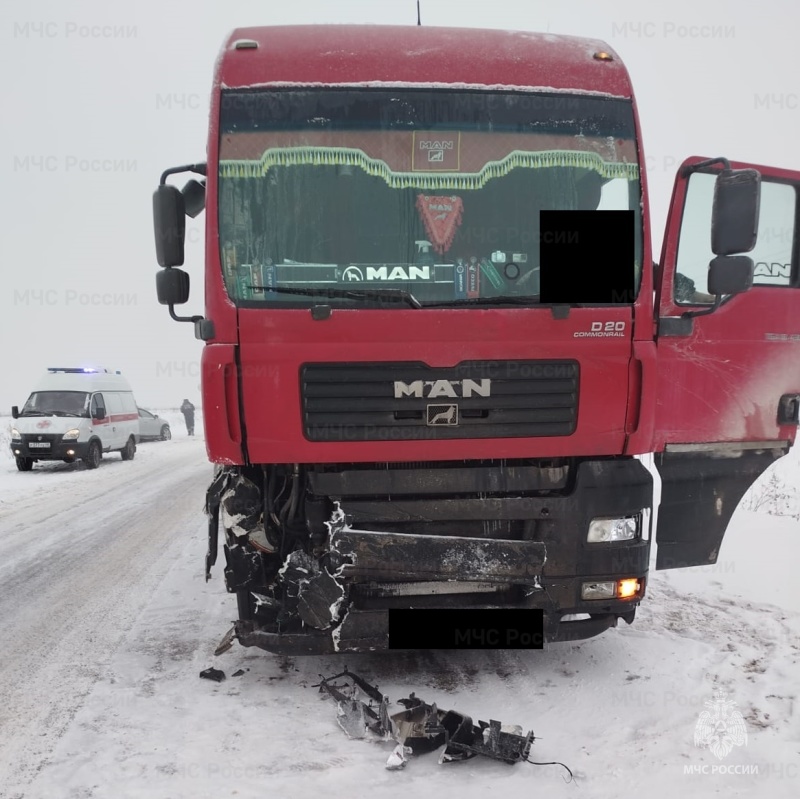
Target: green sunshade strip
343, 156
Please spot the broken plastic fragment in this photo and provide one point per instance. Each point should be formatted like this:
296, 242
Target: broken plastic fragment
359, 719
337, 521
226, 643
398, 758
241, 506
258, 538
297, 567
213, 674
352, 718
318, 599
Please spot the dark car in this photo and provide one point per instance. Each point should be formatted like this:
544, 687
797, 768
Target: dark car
152, 427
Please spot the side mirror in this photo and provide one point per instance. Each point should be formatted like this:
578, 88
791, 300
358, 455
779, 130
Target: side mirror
169, 224
735, 211
730, 274
194, 197
15, 412
98, 413
172, 286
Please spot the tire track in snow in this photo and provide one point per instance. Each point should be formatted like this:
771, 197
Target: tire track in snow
753, 639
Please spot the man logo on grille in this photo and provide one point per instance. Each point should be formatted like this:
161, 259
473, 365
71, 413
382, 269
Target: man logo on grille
442, 415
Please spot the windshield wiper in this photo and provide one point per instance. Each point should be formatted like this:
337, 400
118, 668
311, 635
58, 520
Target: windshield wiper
503, 299
350, 294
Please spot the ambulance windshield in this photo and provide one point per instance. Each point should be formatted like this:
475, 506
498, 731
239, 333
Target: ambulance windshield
57, 403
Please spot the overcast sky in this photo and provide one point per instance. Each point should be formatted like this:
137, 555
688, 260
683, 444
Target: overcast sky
98, 98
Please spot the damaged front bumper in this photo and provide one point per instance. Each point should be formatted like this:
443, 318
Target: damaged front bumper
368, 631
308, 582
345, 607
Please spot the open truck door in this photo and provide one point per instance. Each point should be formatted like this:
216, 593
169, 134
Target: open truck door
728, 347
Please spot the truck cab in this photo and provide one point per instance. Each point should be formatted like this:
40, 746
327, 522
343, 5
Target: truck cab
435, 343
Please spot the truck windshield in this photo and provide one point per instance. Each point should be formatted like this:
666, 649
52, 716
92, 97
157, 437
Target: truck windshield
434, 193
57, 403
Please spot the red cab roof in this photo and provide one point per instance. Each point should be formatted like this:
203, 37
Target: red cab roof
420, 55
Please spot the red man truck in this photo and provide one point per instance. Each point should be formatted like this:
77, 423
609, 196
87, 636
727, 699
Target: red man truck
416, 394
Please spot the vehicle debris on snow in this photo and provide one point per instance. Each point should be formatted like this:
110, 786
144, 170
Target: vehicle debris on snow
213, 674
363, 712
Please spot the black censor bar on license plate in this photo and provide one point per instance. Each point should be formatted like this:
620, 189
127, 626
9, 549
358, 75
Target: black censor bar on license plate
488, 628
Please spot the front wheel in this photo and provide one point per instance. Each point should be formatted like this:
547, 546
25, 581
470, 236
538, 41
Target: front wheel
24, 464
166, 434
129, 450
93, 456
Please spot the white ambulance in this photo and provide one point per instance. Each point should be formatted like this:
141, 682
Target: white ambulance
75, 414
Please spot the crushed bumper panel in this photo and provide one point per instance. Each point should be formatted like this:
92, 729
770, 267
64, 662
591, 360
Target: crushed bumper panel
367, 555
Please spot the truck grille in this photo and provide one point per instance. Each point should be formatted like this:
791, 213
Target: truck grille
412, 401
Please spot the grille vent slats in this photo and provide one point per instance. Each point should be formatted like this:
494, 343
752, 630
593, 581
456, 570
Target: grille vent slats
359, 402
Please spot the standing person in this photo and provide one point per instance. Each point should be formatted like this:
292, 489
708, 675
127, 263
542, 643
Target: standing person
187, 409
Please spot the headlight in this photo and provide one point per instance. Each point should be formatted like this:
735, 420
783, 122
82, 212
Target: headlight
15, 435
627, 588
608, 530
606, 590
71, 435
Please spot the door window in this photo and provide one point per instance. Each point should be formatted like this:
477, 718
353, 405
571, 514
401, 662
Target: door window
114, 405
772, 255
98, 402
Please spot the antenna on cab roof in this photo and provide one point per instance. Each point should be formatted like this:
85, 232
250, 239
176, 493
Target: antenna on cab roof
419, 20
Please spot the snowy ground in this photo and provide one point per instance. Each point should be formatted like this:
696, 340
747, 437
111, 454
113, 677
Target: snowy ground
106, 622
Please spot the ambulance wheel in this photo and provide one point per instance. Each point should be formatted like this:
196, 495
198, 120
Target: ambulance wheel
93, 456
24, 464
129, 450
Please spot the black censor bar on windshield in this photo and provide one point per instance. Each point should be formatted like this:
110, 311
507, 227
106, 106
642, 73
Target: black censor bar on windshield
587, 257
466, 628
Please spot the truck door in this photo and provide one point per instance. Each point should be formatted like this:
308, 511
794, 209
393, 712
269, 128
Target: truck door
729, 375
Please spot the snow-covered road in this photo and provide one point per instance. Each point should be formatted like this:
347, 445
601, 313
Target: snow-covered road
80, 555
106, 622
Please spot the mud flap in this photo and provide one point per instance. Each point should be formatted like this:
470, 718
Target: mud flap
699, 493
